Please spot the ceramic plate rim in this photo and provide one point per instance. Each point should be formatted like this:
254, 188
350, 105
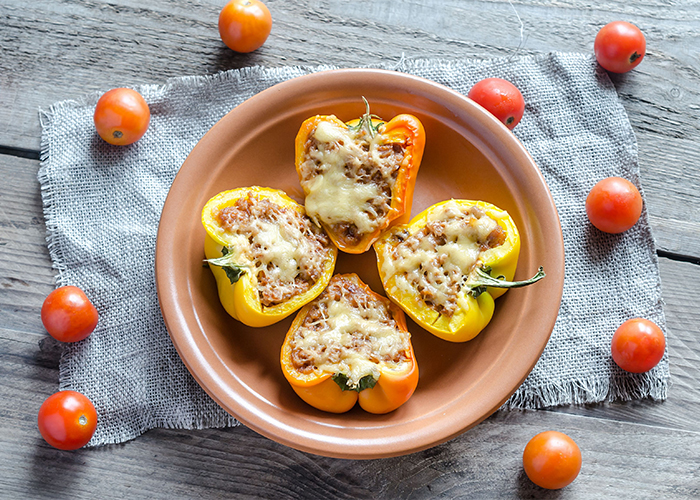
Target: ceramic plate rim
264, 420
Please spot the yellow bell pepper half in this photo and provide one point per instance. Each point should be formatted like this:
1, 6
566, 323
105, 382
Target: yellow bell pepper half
488, 277
236, 286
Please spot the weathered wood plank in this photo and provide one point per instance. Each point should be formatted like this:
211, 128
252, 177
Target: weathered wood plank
482, 463
26, 275
97, 45
620, 442
26, 278
63, 49
682, 408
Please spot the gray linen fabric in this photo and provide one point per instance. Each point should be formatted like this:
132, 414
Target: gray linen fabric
102, 205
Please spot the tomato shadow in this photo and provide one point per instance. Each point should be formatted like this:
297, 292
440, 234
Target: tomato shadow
600, 246
528, 489
225, 59
619, 80
54, 473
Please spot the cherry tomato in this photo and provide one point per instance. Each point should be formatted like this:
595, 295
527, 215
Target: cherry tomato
619, 46
552, 460
67, 420
614, 205
68, 315
244, 25
501, 98
638, 345
122, 116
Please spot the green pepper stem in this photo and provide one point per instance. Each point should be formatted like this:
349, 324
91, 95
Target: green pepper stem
343, 381
481, 278
226, 262
366, 121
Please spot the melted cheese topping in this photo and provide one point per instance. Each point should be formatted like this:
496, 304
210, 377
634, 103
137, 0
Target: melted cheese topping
333, 198
351, 332
434, 262
348, 178
280, 248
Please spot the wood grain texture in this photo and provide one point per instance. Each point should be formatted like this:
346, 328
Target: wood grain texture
26, 274
619, 457
682, 408
621, 442
55, 50
95, 45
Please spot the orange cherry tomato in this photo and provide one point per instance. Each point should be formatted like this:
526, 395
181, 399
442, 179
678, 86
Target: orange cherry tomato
67, 420
500, 98
619, 46
244, 25
552, 460
122, 116
638, 345
68, 315
614, 205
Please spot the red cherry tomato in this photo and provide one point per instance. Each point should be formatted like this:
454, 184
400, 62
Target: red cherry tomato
244, 25
614, 205
638, 345
501, 98
619, 46
67, 420
552, 460
68, 315
122, 116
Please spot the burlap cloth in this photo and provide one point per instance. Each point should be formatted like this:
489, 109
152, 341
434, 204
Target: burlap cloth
102, 205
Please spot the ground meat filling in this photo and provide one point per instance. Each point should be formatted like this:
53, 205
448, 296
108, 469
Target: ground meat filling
280, 276
438, 280
366, 161
325, 342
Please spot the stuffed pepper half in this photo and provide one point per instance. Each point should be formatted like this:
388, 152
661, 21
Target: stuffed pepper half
446, 267
350, 345
268, 257
358, 176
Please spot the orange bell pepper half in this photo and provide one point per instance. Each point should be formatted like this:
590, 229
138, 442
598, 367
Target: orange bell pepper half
359, 176
350, 345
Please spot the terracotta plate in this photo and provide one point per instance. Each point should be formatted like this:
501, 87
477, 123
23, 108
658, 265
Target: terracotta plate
468, 155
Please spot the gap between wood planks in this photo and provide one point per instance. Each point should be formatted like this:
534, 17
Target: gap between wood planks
33, 154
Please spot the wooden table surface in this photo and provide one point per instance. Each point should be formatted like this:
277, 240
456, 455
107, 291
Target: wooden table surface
61, 49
